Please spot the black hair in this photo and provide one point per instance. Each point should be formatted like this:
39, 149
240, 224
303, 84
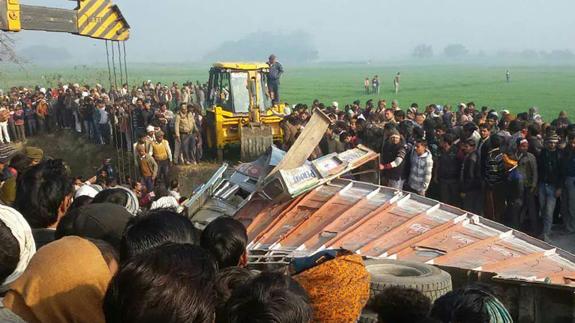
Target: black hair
449, 138
343, 136
495, 141
112, 195
9, 253
170, 283
41, 190
399, 114
533, 130
154, 228
399, 304
419, 134
270, 297
441, 126
228, 280
226, 239
174, 184
462, 305
79, 202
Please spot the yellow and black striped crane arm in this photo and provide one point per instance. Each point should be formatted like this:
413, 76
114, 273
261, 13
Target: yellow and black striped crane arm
99, 19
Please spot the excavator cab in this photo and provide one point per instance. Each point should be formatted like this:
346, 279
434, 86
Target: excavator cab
240, 109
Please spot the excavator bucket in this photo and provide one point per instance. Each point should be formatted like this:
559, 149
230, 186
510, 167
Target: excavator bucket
255, 140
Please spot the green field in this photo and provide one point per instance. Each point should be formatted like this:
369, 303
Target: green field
551, 88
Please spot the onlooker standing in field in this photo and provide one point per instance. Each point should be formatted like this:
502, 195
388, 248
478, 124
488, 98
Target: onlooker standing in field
447, 171
508, 76
568, 169
396, 82
392, 160
186, 131
367, 85
148, 168
521, 186
550, 181
470, 178
4, 115
274, 75
19, 122
421, 168
163, 155
375, 83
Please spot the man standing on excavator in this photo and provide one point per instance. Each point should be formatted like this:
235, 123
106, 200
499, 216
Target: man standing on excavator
276, 71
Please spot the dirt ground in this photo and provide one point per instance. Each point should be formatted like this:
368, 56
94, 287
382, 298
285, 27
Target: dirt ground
85, 158
191, 177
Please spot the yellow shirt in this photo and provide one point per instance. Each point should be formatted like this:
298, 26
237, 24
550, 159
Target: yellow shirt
159, 151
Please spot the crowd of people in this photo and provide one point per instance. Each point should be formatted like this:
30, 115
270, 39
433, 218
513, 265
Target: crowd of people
92, 250
72, 253
516, 169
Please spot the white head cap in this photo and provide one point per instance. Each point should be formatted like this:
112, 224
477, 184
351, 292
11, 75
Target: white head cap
335, 104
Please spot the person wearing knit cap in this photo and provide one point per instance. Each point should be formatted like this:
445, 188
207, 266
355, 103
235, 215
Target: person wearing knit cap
35, 154
550, 182
522, 182
392, 157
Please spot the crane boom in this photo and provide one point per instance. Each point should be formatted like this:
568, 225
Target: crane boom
100, 19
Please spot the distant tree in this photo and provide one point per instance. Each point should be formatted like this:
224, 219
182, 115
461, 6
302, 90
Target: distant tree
423, 51
561, 54
7, 52
297, 47
455, 51
529, 54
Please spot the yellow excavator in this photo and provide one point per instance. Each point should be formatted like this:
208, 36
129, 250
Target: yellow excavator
98, 19
239, 109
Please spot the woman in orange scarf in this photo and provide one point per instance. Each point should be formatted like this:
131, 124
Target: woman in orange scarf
65, 282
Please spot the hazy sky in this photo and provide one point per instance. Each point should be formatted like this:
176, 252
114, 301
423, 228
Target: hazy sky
184, 30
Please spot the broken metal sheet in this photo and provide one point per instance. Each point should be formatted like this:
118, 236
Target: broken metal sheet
305, 143
380, 222
204, 192
289, 183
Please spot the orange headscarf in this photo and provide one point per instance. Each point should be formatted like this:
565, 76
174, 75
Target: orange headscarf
65, 282
338, 289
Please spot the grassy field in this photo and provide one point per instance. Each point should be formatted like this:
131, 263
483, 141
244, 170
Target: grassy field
548, 87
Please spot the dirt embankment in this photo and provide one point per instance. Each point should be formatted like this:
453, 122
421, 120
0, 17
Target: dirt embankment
84, 158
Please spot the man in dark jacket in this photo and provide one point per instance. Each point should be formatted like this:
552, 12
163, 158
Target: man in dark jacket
392, 159
568, 170
521, 186
550, 182
494, 175
470, 179
447, 171
274, 75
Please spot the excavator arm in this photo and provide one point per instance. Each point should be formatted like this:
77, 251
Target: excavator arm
99, 19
